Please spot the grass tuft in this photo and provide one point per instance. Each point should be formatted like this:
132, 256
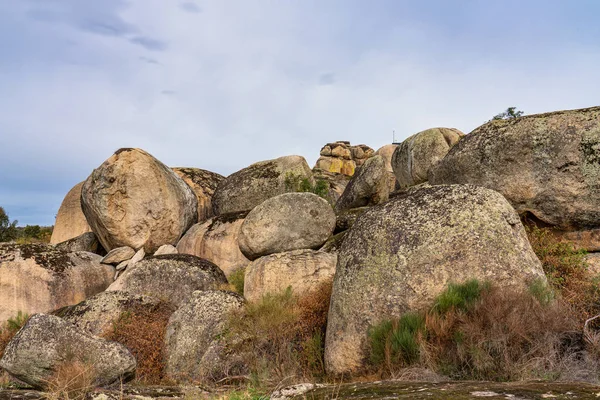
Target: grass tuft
142, 330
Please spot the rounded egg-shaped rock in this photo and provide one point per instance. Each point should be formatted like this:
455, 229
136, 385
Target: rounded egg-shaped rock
134, 200
70, 221
398, 256
414, 157
286, 222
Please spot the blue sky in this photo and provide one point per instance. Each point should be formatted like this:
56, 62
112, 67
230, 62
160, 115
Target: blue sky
222, 84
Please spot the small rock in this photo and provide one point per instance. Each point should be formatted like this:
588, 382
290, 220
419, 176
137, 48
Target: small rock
139, 256
120, 254
166, 249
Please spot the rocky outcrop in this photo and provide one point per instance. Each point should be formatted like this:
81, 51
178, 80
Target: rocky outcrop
97, 314
344, 219
546, 165
40, 278
368, 187
203, 183
336, 183
134, 200
387, 152
84, 242
287, 222
247, 188
70, 221
399, 255
302, 270
416, 155
216, 240
47, 341
342, 158
194, 345
171, 277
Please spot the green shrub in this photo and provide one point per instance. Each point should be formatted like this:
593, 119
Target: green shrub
236, 280
567, 271
296, 183
396, 342
542, 291
10, 328
281, 336
459, 296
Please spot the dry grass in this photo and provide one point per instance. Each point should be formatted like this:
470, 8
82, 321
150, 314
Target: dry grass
281, 336
142, 330
10, 328
72, 380
503, 335
567, 272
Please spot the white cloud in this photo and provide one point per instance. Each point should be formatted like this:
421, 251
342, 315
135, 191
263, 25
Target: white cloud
239, 82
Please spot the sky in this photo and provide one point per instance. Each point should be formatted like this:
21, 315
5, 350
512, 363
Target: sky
221, 84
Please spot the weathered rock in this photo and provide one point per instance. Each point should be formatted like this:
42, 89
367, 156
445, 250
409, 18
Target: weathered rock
194, 346
170, 277
344, 219
416, 155
134, 200
216, 240
333, 244
401, 254
166, 249
97, 314
302, 270
547, 165
387, 152
287, 222
137, 257
70, 221
369, 186
46, 341
336, 165
247, 188
118, 255
337, 183
40, 278
593, 262
203, 183
361, 153
84, 242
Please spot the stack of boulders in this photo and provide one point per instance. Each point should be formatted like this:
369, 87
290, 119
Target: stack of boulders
175, 237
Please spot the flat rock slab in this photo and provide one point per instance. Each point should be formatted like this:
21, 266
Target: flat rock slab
450, 390
128, 393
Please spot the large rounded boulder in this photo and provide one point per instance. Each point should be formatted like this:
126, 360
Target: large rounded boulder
400, 255
46, 342
70, 221
97, 314
546, 165
286, 222
216, 240
38, 278
203, 183
369, 186
301, 270
247, 188
170, 277
194, 345
414, 157
134, 200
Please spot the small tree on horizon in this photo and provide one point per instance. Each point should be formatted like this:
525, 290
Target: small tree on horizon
8, 230
510, 113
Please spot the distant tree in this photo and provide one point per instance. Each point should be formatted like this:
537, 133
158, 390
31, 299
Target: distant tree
510, 113
8, 230
32, 231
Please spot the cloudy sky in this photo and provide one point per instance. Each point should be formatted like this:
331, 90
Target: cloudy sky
221, 84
